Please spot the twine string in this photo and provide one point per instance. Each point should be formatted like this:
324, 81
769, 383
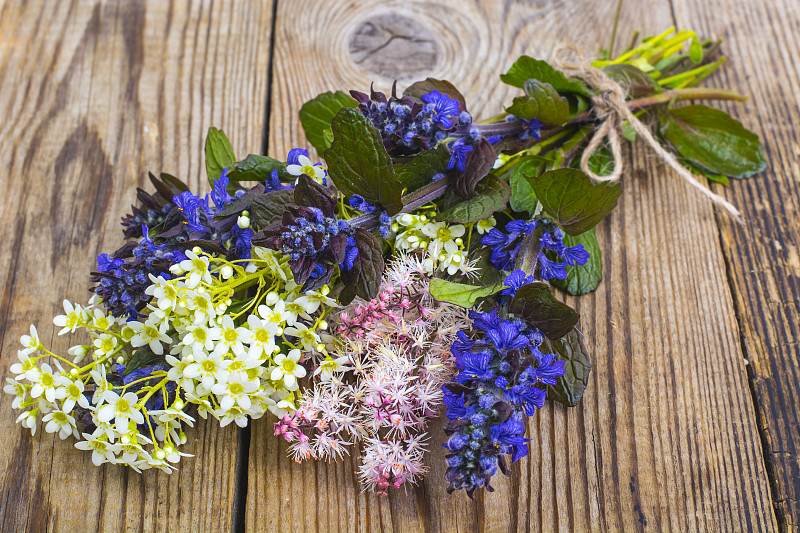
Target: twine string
611, 109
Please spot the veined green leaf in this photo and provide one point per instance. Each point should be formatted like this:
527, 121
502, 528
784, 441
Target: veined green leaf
358, 162
570, 387
713, 140
572, 200
542, 102
526, 68
491, 195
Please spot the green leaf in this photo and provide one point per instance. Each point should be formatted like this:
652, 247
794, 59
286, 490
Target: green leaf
358, 162
255, 168
364, 278
536, 304
712, 140
522, 195
243, 202
269, 207
491, 196
634, 80
582, 278
542, 102
420, 169
696, 50
526, 68
219, 154
573, 200
316, 115
460, 293
417, 89
570, 387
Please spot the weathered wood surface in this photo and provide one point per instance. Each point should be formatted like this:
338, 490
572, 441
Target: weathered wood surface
667, 437
95, 94
763, 257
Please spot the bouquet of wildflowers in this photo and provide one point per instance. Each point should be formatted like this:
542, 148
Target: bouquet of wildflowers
409, 275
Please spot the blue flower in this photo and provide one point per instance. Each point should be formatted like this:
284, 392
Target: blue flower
474, 367
507, 437
294, 154
575, 255
219, 194
189, 205
531, 129
241, 241
548, 370
461, 345
106, 264
528, 397
442, 107
485, 321
350, 254
550, 269
358, 203
458, 155
507, 337
515, 281
273, 183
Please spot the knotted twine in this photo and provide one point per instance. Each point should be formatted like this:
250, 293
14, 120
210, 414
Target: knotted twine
610, 107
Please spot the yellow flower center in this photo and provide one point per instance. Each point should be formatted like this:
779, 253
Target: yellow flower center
208, 366
262, 335
230, 335
289, 365
308, 170
123, 406
236, 388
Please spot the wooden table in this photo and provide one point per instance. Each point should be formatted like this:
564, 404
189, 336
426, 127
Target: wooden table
689, 422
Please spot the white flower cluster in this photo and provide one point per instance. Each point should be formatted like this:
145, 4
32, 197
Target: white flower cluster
444, 244
224, 357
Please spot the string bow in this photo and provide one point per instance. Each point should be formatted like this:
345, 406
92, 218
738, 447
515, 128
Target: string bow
610, 107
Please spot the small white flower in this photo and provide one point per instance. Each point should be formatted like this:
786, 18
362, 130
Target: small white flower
74, 395
61, 422
483, 226
120, 408
304, 166
104, 344
151, 335
288, 369
277, 312
308, 338
165, 294
236, 390
197, 267
18, 390
101, 384
25, 363
207, 368
199, 337
102, 450
261, 336
176, 373
201, 304
234, 415
231, 337
46, 384
28, 420
71, 320
30, 342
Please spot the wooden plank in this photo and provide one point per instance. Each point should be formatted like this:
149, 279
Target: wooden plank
763, 256
666, 436
94, 95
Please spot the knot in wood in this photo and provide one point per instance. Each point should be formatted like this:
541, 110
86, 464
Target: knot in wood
394, 46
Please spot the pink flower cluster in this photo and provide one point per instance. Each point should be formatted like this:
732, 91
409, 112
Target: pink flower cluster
384, 382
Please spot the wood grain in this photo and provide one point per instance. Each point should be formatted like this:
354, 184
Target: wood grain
666, 436
763, 256
94, 95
